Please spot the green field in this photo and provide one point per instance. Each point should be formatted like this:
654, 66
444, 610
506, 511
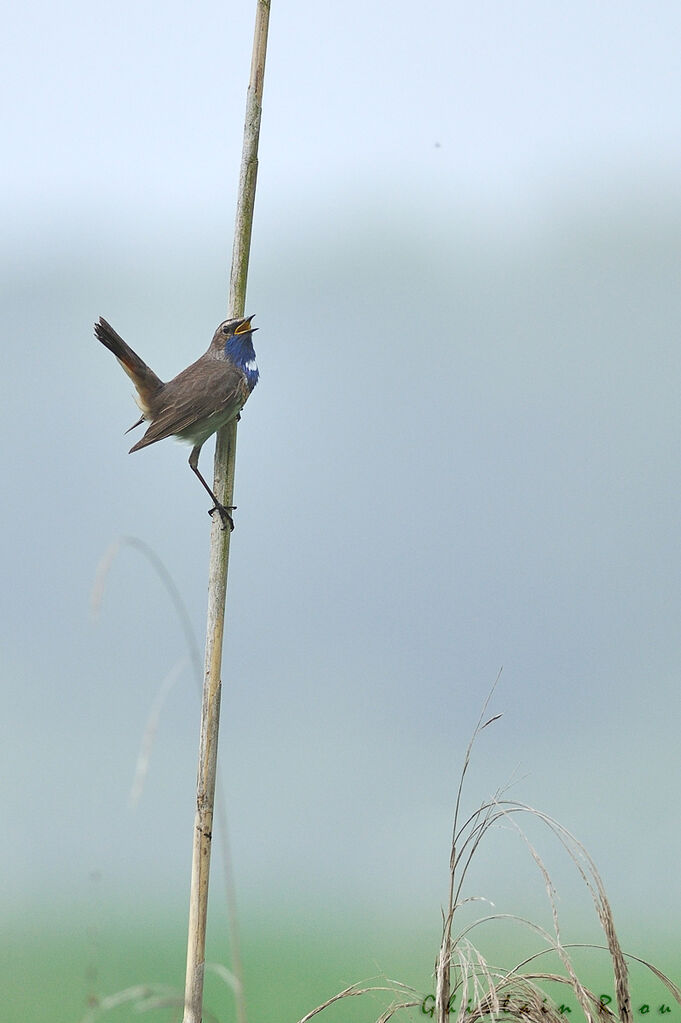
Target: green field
50, 973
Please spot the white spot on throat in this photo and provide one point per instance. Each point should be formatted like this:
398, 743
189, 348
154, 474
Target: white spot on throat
251, 365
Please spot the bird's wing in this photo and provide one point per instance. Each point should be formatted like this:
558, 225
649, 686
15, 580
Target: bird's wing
210, 388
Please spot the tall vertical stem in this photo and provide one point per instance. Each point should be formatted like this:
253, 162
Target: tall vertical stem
225, 457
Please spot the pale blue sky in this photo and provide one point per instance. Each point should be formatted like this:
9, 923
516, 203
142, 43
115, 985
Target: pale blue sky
114, 102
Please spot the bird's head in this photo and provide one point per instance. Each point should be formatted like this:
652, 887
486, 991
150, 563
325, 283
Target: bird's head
234, 341
233, 328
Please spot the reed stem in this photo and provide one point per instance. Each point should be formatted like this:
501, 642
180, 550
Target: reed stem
225, 459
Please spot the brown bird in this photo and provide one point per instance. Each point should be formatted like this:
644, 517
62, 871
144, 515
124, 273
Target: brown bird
199, 400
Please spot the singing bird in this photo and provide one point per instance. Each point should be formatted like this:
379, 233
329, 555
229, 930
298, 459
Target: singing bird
199, 400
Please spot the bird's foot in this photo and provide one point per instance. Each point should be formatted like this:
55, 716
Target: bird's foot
224, 512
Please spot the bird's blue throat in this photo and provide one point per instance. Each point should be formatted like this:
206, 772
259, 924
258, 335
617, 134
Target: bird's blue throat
239, 350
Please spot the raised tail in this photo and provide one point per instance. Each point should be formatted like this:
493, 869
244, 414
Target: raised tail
147, 384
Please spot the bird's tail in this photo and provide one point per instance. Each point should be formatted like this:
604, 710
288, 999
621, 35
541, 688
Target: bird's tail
147, 384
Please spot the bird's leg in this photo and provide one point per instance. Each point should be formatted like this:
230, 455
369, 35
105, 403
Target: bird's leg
223, 511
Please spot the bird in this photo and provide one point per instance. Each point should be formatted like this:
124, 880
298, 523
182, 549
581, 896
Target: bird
197, 402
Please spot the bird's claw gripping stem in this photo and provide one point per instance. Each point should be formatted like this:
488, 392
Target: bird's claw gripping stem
225, 514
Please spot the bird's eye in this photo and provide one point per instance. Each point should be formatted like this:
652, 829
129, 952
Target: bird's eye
225, 330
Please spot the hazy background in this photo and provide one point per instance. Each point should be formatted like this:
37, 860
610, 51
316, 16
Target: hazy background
462, 455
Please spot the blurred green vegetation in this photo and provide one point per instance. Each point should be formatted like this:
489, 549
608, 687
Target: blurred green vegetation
50, 974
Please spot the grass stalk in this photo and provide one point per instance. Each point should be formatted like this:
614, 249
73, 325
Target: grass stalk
143, 758
225, 459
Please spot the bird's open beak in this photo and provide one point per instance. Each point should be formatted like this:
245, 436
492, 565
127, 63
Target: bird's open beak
245, 326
